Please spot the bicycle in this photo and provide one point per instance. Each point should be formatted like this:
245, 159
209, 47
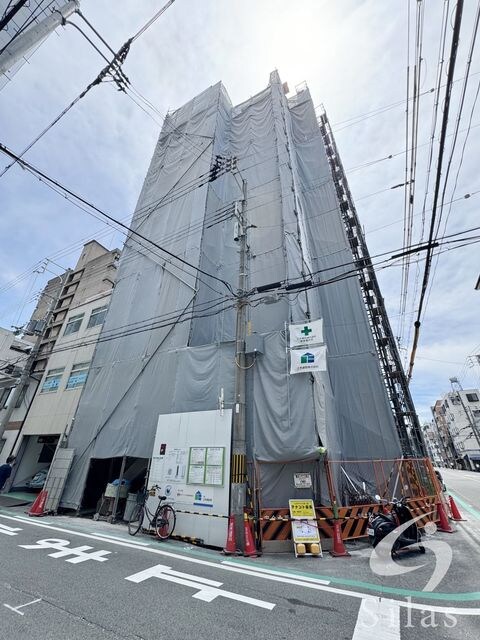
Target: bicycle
163, 520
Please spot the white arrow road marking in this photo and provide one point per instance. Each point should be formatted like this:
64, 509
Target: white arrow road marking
378, 617
9, 531
16, 609
63, 550
208, 589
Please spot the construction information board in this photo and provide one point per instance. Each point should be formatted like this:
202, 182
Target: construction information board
303, 509
205, 466
304, 521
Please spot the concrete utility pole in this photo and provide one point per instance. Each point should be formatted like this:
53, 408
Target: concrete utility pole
23, 43
238, 482
12, 401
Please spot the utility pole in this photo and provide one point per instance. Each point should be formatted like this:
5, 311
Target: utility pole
25, 375
239, 451
23, 43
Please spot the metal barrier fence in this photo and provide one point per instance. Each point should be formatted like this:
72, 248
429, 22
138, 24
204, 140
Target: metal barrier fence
352, 487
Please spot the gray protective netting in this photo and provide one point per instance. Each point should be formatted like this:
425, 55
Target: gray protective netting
296, 230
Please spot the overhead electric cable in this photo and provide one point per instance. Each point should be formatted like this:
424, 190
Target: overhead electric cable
438, 84
113, 68
428, 258
452, 149
52, 182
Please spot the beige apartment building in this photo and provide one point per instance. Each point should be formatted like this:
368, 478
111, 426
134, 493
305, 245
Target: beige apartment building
64, 357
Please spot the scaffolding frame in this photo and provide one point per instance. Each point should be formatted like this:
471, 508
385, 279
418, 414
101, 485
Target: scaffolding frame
401, 403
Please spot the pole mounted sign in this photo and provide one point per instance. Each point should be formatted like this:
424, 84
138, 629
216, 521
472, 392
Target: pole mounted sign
311, 359
306, 333
307, 353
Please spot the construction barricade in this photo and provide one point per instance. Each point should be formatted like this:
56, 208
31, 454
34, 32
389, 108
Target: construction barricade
353, 486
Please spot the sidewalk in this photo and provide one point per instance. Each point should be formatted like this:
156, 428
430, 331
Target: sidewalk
16, 499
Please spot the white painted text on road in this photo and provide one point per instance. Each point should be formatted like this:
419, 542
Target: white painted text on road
80, 554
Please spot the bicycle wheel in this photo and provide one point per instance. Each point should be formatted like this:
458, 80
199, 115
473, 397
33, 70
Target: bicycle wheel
165, 522
136, 519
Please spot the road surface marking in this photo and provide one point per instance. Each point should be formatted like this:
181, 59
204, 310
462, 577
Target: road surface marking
16, 609
280, 574
136, 542
9, 531
208, 590
468, 611
62, 546
29, 519
377, 617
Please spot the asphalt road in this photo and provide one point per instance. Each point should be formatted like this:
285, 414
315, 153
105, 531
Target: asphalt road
68, 579
465, 485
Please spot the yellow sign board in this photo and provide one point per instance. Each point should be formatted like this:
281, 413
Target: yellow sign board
305, 533
302, 509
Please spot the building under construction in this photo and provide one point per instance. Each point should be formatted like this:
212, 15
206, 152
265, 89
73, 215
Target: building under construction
245, 226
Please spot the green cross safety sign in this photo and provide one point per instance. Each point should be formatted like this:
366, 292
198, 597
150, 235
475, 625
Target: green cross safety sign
306, 331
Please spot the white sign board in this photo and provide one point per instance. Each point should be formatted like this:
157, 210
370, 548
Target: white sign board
302, 480
306, 333
194, 471
175, 465
308, 359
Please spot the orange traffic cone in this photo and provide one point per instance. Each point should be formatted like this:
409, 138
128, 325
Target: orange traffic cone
444, 524
250, 550
231, 546
38, 507
456, 515
338, 546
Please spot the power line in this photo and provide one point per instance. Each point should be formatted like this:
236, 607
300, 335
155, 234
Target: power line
428, 259
440, 64
113, 68
52, 182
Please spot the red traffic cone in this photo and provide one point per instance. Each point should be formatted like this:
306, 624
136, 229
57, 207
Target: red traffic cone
250, 550
444, 524
456, 515
231, 546
338, 546
38, 507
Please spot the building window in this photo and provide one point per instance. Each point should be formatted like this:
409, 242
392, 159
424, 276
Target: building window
52, 380
97, 317
73, 324
472, 397
78, 375
476, 413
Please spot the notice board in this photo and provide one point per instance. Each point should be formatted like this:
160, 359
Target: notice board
191, 463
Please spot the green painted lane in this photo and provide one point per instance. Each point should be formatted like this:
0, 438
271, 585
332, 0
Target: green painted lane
469, 596
468, 507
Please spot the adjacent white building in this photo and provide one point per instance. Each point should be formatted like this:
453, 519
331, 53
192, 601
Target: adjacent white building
459, 411
13, 356
433, 444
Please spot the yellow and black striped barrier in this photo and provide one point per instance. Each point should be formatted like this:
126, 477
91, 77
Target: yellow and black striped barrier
197, 513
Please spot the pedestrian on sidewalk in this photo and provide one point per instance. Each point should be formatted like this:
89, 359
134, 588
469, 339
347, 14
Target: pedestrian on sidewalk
6, 471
